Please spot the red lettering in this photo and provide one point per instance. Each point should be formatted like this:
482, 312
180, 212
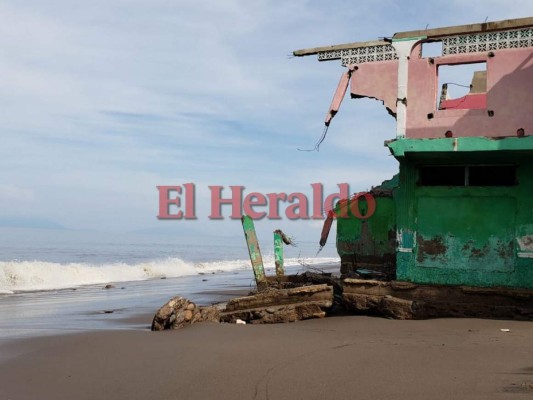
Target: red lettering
301, 206
190, 201
273, 204
217, 201
254, 199
318, 195
343, 194
165, 202
370, 202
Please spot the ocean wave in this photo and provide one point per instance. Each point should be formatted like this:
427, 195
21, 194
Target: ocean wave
41, 275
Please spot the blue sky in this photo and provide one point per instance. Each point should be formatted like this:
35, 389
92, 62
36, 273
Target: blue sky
102, 101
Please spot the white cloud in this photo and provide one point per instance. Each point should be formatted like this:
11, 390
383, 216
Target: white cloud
14, 193
101, 101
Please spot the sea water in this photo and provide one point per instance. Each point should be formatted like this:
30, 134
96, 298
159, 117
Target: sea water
52, 281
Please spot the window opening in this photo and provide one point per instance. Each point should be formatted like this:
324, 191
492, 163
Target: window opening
462, 86
479, 175
431, 49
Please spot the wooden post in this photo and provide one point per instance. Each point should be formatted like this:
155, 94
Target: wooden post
255, 253
278, 252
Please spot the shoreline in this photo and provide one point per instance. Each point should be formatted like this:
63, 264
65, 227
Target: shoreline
337, 357
74, 349
41, 313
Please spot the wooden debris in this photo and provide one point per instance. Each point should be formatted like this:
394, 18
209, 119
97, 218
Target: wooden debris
253, 250
279, 239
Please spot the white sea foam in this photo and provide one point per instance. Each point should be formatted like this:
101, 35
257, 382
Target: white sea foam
40, 275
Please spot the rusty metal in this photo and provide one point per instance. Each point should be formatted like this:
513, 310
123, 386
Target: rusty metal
326, 228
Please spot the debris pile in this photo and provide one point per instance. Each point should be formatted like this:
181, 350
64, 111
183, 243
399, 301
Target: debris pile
289, 298
280, 305
179, 311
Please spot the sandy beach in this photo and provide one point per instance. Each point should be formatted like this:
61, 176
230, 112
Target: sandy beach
266, 185
63, 344
338, 357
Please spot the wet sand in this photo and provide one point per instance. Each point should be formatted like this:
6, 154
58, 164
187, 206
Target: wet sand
349, 357
129, 305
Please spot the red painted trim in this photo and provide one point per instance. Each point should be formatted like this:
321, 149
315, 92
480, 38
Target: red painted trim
477, 101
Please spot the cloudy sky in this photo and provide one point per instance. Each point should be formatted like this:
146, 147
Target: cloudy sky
101, 101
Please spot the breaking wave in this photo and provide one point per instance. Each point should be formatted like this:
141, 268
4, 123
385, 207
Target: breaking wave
40, 275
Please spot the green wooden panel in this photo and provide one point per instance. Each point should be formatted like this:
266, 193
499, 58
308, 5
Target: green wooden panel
253, 250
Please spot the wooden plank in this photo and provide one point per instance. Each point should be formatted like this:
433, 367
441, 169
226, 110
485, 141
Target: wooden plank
278, 253
253, 250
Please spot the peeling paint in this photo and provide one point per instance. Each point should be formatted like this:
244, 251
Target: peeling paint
475, 252
371, 241
405, 239
525, 243
450, 252
462, 233
431, 247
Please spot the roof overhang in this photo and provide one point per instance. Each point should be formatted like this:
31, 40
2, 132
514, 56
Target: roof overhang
405, 147
426, 34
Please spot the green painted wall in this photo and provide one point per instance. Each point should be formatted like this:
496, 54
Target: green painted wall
450, 235
477, 236
369, 242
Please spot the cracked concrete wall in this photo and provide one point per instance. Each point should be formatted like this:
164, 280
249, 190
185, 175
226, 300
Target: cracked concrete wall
377, 80
509, 96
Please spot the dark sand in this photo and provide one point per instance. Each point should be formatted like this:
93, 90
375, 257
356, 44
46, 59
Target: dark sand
335, 358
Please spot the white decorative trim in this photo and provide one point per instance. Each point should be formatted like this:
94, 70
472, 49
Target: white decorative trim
480, 42
524, 255
459, 44
360, 55
404, 250
403, 49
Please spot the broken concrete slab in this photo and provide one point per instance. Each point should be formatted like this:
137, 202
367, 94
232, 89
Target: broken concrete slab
405, 300
322, 294
387, 306
293, 298
266, 307
179, 311
275, 315
281, 305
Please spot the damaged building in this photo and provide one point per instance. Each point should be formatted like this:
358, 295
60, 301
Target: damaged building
450, 235
460, 210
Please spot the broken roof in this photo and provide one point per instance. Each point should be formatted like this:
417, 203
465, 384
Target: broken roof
427, 34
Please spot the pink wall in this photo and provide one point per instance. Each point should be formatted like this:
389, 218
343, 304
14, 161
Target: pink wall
378, 80
509, 96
